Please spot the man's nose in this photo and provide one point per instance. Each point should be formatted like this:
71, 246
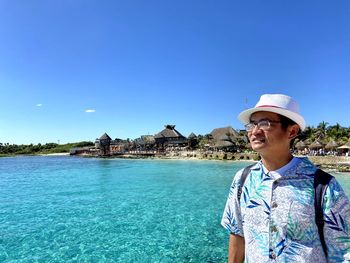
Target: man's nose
256, 129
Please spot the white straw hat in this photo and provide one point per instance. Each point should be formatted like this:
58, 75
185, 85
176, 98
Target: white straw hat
277, 103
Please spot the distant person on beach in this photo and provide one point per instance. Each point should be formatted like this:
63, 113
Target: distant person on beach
271, 214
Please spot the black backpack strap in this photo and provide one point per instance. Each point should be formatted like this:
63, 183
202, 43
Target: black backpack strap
321, 181
244, 176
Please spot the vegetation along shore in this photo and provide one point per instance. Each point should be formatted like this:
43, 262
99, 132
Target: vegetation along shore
327, 146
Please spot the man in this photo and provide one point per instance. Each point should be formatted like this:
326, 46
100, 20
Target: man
271, 217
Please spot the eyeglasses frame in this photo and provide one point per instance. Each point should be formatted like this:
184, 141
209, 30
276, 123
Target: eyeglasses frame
257, 124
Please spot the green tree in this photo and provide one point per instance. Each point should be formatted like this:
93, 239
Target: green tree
322, 130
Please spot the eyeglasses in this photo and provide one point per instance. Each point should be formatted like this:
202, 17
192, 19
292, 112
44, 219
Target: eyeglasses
262, 124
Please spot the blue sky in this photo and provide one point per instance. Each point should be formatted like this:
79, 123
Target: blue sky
138, 65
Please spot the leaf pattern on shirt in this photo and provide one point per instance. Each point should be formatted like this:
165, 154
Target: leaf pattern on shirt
260, 240
335, 224
343, 239
234, 185
254, 196
296, 238
293, 250
296, 232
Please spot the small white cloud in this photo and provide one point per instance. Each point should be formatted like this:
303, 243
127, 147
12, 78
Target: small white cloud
90, 110
39, 105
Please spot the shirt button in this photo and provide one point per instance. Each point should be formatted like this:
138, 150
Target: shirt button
274, 205
273, 229
273, 255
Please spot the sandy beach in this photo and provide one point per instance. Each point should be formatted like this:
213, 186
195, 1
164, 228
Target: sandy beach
55, 154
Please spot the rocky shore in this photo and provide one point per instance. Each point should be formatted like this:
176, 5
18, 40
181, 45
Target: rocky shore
330, 163
209, 155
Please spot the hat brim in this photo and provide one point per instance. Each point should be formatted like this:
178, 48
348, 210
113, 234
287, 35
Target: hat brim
244, 116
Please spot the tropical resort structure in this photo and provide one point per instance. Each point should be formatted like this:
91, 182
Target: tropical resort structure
167, 140
224, 140
170, 137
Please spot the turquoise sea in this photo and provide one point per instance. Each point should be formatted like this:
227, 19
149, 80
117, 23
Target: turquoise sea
71, 209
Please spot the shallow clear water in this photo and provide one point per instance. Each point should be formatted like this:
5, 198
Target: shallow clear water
344, 180
67, 209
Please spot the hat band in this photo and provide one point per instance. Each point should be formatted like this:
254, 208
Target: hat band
263, 106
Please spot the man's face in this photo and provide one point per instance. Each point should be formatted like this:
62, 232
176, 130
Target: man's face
268, 139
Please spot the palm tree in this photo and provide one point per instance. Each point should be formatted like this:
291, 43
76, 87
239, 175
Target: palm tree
322, 130
306, 134
334, 132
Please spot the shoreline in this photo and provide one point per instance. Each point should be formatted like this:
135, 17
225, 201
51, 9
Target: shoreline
332, 163
53, 154
328, 163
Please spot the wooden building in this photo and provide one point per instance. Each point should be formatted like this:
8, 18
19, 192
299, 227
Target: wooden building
103, 144
192, 141
170, 137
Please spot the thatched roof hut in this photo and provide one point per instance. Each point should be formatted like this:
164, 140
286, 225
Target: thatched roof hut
225, 132
345, 146
331, 145
192, 136
105, 136
169, 132
316, 145
103, 143
192, 141
224, 137
300, 145
104, 140
169, 136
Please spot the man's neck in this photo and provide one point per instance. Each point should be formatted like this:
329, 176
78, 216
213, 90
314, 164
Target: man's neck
272, 163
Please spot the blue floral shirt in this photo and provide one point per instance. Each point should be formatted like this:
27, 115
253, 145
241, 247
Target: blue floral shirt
276, 215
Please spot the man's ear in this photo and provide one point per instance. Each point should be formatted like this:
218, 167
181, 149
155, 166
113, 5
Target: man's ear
293, 131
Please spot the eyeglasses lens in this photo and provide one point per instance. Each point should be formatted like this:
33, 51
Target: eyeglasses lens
264, 125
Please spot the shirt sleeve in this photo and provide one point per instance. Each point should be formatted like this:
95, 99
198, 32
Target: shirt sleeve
336, 215
232, 217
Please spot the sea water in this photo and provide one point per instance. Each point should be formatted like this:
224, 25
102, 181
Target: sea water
71, 209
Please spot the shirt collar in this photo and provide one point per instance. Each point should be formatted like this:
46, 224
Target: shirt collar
298, 165
289, 166
281, 171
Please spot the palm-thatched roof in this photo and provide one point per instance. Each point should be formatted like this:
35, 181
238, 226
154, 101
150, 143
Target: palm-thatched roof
225, 132
315, 145
308, 141
331, 145
345, 146
105, 136
169, 132
224, 144
192, 136
300, 145
224, 137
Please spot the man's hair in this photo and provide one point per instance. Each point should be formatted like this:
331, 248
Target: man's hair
285, 122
